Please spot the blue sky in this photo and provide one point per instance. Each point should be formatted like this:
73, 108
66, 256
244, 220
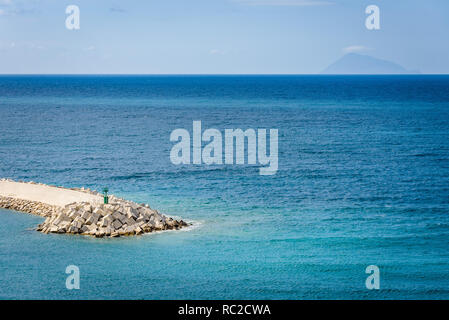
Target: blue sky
218, 36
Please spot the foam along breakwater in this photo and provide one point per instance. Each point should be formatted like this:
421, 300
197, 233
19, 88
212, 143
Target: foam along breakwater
82, 211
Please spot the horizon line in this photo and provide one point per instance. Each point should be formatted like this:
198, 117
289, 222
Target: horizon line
222, 74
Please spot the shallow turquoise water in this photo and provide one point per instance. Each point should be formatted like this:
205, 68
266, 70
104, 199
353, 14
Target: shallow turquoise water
363, 179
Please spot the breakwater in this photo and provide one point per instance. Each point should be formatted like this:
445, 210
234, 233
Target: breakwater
119, 217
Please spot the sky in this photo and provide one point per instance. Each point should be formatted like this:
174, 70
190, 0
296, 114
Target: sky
218, 36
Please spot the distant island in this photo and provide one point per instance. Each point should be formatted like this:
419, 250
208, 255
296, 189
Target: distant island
353, 63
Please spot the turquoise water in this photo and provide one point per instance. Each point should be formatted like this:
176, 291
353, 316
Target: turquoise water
363, 179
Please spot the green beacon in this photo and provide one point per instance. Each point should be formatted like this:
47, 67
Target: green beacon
106, 198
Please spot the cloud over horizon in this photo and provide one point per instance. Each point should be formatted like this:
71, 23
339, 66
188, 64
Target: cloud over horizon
356, 49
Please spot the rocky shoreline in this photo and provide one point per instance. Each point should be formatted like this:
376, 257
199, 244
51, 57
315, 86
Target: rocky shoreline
31, 207
118, 218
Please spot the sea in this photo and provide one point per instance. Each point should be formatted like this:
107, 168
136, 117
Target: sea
362, 180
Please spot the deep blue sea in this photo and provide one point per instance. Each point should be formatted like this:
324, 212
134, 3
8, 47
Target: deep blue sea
363, 180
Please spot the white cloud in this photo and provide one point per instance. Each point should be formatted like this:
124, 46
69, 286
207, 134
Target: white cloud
10, 8
285, 3
218, 52
22, 45
356, 48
